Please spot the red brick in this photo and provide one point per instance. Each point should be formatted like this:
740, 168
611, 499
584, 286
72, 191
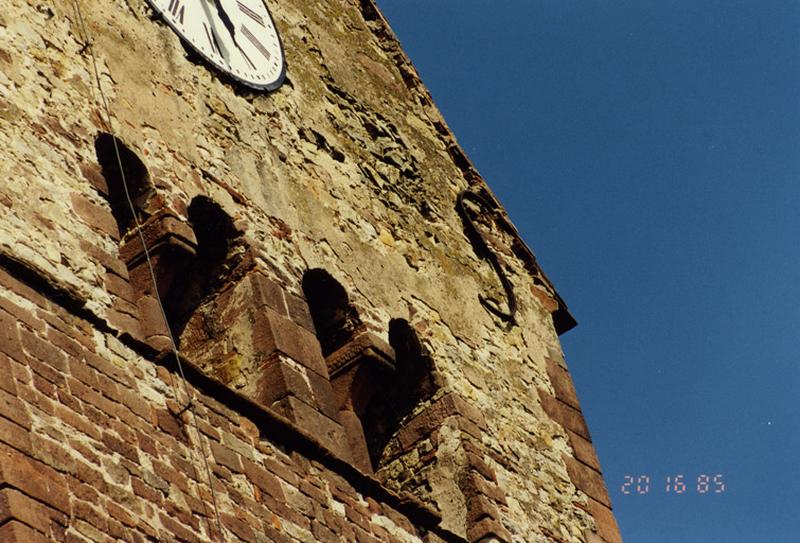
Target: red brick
64, 342
176, 529
13, 409
120, 514
83, 372
36, 399
171, 475
587, 480
107, 386
96, 217
299, 313
89, 475
67, 323
566, 416
476, 485
119, 446
171, 424
68, 400
208, 429
109, 261
143, 490
480, 507
22, 289
584, 450
328, 432
121, 287
116, 530
265, 292
477, 463
606, 523
134, 402
15, 505
357, 517
562, 383
485, 529
52, 453
322, 533
23, 315
180, 513
6, 376
146, 444
273, 332
110, 369
14, 435
9, 338
226, 457
264, 480
45, 387
94, 175
77, 421
323, 394
41, 349
16, 532
238, 527
48, 372
98, 417
277, 379
87, 512
319, 496
33, 478
281, 470
124, 322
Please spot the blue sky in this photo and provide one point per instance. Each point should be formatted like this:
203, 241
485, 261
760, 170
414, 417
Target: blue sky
649, 152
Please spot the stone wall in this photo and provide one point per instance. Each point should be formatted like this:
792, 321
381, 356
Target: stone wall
415, 413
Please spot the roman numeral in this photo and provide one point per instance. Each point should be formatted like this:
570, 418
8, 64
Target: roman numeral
252, 14
177, 9
257, 44
212, 40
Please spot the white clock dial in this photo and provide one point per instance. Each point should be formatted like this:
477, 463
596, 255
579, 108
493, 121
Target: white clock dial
237, 36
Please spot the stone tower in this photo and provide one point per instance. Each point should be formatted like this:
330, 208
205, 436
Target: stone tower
365, 348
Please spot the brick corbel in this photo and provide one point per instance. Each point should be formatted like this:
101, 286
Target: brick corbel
171, 244
359, 370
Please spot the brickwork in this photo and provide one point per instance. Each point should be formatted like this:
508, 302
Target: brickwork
418, 411
91, 449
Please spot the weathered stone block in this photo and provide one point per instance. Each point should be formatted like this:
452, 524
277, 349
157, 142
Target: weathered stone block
265, 292
327, 431
272, 332
278, 379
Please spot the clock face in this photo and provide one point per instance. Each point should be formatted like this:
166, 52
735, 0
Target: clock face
236, 36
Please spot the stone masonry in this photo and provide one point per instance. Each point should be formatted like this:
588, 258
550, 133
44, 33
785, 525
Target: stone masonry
368, 351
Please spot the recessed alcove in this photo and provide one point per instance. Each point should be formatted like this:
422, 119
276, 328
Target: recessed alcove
203, 275
335, 319
122, 169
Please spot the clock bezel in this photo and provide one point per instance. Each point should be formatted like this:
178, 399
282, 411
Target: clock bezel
256, 86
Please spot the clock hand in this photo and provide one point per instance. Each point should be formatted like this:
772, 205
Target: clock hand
226, 20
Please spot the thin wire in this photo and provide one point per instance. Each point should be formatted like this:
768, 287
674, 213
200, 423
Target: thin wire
173, 343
